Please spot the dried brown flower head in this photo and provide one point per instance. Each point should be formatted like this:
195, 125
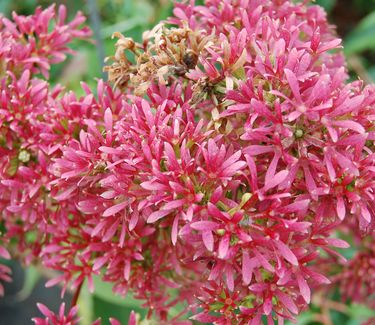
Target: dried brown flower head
166, 54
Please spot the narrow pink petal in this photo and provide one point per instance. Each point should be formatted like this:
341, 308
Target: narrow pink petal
231, 160
4, 253
329, 45
127, 268
229, 277
247, 268
267, 306
276, 180
173, 204
272, 167
175, 230
204, 225
286, 252
329, 165
333, 133
310, 183
215, 212
133, 220
350, 125
110, 232
255, 150
216, 195
155, 216
45, 311
293, 83
287, 301
99, 262
114, 321
340, 208
263, 261
317, 277
303, 288
66, 193
233, 169
365, 213
223, 246
115, 209
108, 119
208, 240
132, 319
336, 242
171, 156
154, 186
296, 206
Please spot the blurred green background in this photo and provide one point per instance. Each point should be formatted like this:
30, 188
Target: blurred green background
355, 21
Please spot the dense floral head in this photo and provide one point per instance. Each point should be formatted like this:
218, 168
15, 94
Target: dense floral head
229, 156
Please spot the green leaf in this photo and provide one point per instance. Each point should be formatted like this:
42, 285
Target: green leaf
32, 276
326, 4
362, 37
105, 310
361, 312
86, 306
304, 319
122, 27
103, 290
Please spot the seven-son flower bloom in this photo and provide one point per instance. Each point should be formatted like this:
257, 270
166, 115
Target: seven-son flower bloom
218, 190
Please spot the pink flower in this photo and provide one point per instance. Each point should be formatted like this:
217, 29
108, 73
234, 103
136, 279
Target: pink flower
57, 319
247, 157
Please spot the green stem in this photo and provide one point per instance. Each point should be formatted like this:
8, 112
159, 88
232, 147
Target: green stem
76, 295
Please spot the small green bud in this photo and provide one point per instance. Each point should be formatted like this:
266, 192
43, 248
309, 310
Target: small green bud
220, 232
298, 133
24, 156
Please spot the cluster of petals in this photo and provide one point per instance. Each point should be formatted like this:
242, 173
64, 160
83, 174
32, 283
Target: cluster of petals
218, 190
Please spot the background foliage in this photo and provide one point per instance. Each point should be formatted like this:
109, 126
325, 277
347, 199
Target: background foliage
355, 20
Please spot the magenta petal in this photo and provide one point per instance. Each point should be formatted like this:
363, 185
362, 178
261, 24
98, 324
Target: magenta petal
340, 208
174, 230
350, 125
204, 225
132, 319
133, 220
229, 277
267, 306
263, 261
115, 209
173, 204
208, 240
108, 119
303, 288
293, 83
66, 193
154, 186
276, 180
247, 268
286, 252
44, 310
4, 253
223, 246
287, 301
336, 242
155, 216
365, 213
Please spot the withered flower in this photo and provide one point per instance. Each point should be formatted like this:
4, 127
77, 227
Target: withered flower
166, 54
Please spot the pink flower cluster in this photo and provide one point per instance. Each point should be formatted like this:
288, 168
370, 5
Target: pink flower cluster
218, 189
